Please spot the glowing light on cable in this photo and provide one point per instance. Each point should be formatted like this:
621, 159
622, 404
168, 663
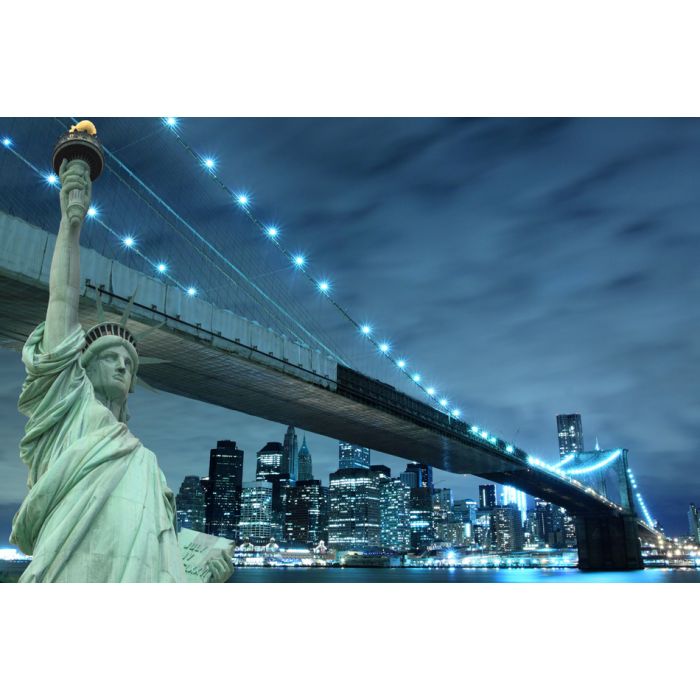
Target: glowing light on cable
430, 391
129, 242
484, 434
242, 199
416, 377
475, 429
170, 121
162, 267
594, 467
191, 291
209, 163
401, 364
509, 449
324, 286
92, 212
365, 329
443, 402
7, 142
384, 347
272, 231
299, 260
456, 412
51, 179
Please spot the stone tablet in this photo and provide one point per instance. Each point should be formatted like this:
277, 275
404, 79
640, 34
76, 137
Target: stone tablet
198, 550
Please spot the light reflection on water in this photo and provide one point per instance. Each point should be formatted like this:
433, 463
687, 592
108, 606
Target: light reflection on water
456, 575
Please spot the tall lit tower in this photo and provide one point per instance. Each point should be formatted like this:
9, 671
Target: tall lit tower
223, 497
570, 432
290, 455
304, 463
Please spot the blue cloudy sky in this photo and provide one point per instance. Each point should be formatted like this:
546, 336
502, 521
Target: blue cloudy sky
531, 266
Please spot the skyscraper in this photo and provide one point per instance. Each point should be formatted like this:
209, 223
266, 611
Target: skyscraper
269, 461
352, 456
694, 522
409, 479
570, 432
191, 506
506, 528
423, 472
256, 512
281, 483
465, 509
303, 519
304, 463
382, 471
290, 456
487, 496
395, 515
354, 509
510, 494
224, 490
422, 526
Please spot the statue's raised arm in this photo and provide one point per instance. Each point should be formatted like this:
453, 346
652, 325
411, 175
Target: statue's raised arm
64, 279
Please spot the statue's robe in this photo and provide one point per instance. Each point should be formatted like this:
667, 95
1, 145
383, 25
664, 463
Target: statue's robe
98, 508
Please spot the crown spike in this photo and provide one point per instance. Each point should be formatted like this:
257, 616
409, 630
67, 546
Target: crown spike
101, 318
127, 311
144, 334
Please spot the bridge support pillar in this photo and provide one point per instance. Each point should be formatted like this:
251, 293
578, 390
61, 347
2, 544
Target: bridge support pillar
608, 543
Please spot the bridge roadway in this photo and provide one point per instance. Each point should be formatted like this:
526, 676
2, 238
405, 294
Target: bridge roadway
312, 393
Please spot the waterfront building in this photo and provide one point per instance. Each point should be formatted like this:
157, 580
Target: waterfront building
303, 522
224, 489
325, 512
190, 505
269, 461
354, 519
256, 512
487, 496
443, 517
506, 529
290, 454
570, 432
395, 515
569, 528
465, 509
304, 463
352, 456
422, 526
694, 523
550, 523
281, 483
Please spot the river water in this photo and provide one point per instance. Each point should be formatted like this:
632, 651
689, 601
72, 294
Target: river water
261, 574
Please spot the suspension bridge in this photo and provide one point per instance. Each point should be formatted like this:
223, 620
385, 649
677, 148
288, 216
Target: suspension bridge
265, 335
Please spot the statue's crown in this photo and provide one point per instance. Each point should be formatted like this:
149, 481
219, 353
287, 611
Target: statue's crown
103, 330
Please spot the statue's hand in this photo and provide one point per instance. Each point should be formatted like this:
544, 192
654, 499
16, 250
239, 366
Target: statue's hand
221, 568
76, 189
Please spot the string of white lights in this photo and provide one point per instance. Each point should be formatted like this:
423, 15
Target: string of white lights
208, 164
93, 213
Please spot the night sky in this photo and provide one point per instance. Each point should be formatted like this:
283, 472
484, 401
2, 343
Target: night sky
529, 267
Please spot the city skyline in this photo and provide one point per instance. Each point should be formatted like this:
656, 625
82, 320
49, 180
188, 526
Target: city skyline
619, 189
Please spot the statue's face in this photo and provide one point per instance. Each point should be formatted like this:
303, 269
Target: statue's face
111, 372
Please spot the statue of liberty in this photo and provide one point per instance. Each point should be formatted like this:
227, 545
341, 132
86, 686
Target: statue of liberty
98, 507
